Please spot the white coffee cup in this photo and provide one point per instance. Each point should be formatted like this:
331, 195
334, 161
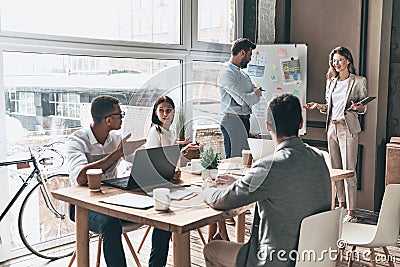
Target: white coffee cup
162, 199
195, 165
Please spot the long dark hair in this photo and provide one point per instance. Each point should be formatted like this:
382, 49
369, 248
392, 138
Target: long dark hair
154, 118
344, 52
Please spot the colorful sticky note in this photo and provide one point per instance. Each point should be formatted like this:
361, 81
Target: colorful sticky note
274, 78
274, 66
282, 52
296, 92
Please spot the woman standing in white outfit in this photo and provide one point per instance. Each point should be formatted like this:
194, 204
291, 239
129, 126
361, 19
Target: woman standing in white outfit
344, 90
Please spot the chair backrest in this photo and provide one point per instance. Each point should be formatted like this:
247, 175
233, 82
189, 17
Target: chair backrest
319, 234
389, 217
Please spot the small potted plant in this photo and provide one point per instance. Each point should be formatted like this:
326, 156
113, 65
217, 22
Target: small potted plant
209, 160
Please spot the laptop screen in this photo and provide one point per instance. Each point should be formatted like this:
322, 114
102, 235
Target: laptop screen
153, 166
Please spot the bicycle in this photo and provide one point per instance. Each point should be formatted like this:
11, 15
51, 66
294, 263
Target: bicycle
45, 232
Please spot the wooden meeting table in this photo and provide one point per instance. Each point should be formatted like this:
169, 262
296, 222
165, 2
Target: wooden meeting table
184, 215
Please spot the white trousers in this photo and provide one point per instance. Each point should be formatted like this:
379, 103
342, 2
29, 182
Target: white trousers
343, 150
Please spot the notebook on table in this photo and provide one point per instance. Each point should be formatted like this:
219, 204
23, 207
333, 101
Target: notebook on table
151, 168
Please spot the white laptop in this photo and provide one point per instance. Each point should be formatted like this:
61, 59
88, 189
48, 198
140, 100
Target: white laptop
261, 148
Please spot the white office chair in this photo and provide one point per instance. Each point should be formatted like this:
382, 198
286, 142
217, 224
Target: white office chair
385, 233
126, 228
319, 233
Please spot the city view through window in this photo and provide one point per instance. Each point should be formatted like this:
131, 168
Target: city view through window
46, 95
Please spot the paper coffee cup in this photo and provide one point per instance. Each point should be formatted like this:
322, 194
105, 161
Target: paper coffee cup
247, 158
94, 179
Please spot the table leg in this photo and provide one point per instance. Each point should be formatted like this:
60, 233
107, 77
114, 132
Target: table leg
240, 225
181, 245
333, 203
82, 236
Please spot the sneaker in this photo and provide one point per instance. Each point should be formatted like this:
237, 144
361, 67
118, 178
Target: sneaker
350, 219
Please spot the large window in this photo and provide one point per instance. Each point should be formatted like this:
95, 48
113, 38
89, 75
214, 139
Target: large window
216, 23
56, 56
128, 20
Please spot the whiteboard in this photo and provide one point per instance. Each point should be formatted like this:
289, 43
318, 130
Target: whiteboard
278, 69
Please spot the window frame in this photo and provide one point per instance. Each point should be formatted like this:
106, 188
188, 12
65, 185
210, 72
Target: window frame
188, 51
215, 47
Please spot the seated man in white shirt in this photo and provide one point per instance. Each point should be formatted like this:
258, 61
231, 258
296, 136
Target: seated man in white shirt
100, 147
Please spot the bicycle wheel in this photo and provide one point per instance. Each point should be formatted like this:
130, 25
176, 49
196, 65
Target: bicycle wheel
45, 233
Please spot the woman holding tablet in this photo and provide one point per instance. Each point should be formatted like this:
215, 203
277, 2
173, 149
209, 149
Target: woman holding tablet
344, 91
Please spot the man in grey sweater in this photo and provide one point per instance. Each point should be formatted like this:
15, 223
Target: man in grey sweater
287, 187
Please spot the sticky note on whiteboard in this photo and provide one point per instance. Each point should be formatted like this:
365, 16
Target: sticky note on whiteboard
274, 78
282, 52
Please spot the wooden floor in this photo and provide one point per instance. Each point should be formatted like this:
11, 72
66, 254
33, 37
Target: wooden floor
196, 249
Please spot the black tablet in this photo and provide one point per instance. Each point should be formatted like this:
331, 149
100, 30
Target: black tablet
367, 100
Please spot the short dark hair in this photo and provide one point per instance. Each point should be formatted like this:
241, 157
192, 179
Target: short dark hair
284, 115
154, 119
242, 44
102, 106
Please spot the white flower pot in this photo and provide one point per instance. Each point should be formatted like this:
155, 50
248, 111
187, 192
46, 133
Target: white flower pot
213, 173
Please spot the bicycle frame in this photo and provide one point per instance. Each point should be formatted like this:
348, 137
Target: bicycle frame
35, 173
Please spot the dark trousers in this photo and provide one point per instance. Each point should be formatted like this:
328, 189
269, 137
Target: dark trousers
235, 131
159, 248
110, 229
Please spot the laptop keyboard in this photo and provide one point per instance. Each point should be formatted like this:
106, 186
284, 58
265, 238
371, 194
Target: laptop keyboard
121, 182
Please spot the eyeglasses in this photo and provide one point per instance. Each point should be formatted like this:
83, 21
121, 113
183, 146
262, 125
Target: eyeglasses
121, 114
337, 60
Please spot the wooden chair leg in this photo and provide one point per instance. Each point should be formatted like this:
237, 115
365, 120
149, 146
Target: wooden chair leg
144, 238
373, 259
339, 257
201, 236
98, 251
135, 257
351, 256
389, 259
72, 259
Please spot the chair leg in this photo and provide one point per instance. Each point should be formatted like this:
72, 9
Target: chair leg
135, 257
373, 260
339, 257
144, 238
350, 263
389, 259
98, 251
201, 236
72, 259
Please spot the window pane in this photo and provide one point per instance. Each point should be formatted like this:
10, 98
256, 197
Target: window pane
128, 20
47, 98
206, 105
216, 21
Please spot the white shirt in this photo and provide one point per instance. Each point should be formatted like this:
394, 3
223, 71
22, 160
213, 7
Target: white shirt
157, 139
83, 148
339, 99
234, 83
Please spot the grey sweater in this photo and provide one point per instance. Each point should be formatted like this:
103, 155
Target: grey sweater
287, 186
